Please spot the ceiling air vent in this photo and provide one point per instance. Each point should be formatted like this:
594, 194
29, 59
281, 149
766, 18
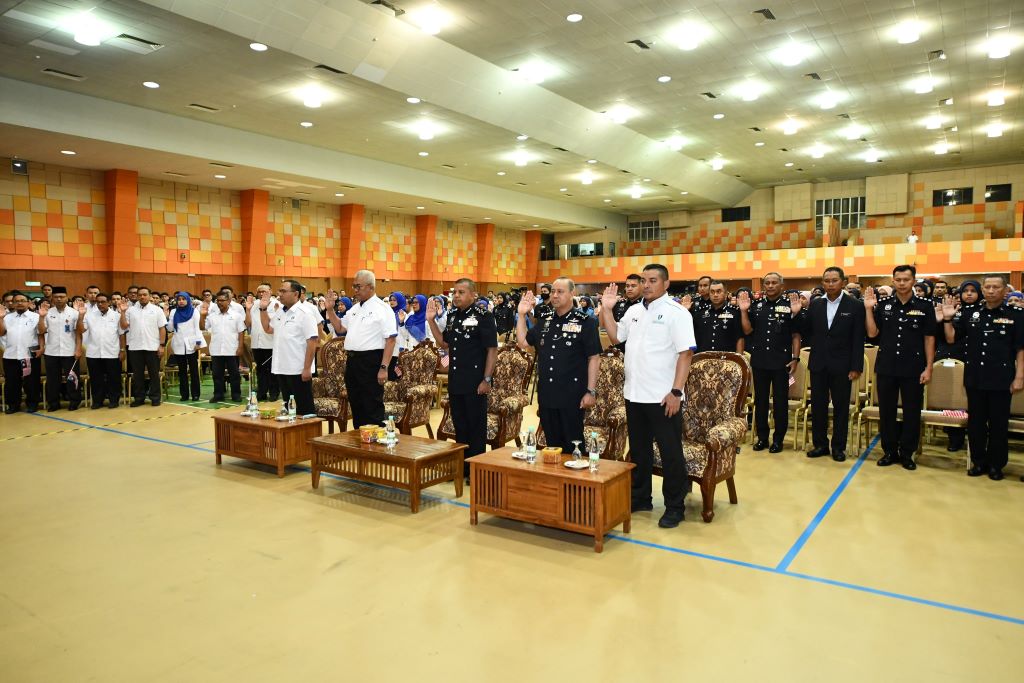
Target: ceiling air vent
387, 5
348, 187
560, 149
546, 163
448, 166
63, 74
843, 116
936, 54
814, 76
638, 45
755, 129
134, 44
203, 108
219, 164
523, 184
330, 69
783, 149
175, 174
766, 13
709, 96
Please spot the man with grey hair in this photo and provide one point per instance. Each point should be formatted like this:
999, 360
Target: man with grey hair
568, 348
371, 332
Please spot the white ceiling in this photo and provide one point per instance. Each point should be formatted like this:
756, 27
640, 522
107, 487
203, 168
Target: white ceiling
367, 115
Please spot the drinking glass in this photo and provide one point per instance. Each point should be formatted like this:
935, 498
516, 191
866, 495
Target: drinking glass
576, 454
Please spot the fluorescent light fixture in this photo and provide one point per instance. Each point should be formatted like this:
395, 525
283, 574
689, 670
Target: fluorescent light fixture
425, 129
664, 79
994, 130
574, 18
923, 85
430, 19
790, 127
220, 176
636, 192
941, 148
853, 132
591, 161
621, 113
717, 163
339, 194
536, 71
817, 151
306, 124
996, 98
88, 29
501, 173
997, 47
788, 164
424, 154
521, 157
907, 32
413, 100
684, 192
151, 84
790, 54
257, 47
829, 99
688, 35
718, 117
606, 201
749, 91
563, 189
68, 152
758, 144
311, 95
586, 178
871, 156
933, 122
675, 143
420, 208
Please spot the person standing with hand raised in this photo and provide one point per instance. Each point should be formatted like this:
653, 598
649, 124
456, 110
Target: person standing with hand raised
296, 337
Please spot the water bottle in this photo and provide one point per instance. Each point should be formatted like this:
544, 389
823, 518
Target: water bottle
392, 435
291, 408
531, 447
253, 407
595, 457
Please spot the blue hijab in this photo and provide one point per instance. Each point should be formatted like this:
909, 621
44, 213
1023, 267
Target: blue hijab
400, 298
182, 315
348, 303
416, 322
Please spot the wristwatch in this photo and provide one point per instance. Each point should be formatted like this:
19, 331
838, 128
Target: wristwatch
383, 367
592, 392
678, 393
489, 380
796, 359
263, 308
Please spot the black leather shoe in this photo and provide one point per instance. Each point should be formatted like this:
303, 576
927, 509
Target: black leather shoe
32, 409
817, 452
641, 507
155, 403
135, 404
975, 471
73, 406
954, 447
775, 448
11, 411
760, 445
908, 464
887, 459
216, 399
52, 409
839, 456
96, 405
671, 519
995, 475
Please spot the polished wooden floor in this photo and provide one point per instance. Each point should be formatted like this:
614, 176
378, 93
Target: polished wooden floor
126, 554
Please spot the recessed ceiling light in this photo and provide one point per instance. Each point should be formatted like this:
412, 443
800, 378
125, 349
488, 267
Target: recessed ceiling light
520, 157
535, 71
998, 47
621, 113
688, 35
606, 201
788, 164
790, 54
487, 218
586, 178
430, 19
933, 122
536, 225
88, 29
151, 84
675, 143
994, 130
413, 100
817, 151
941, 148
591, 161
425, 129
871, 156
311, 95
790, 127
258, 47
684, 193
758, 144
923, 85
717, 163
718, 117
749, 91
501, 173
420, 208
829, 99
853, 132
636, 192
424, 154
69, 152
664, 79
954, 129
907, 32
563, 189
220, 176
574, 18
306, 124
339, 194
522, 138
647, 180
996, 98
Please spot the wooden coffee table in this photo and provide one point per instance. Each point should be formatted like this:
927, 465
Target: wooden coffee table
551, 495
266, 441
414, 464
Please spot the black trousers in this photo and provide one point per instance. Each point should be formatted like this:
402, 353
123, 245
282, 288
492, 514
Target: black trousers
105, 380
562, 426
57, 369
188, 375
988, 423
292, 385
266, 381
648, 424
894, 436
469, 415
14, 383
825, 386
777, 383
220, 364
365, 393
139, 362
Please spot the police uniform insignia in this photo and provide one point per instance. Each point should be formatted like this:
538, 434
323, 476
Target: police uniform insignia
888, 307
915, 312
782, 309
471, 321
726, 316
977, 314
1003, 321
572, 328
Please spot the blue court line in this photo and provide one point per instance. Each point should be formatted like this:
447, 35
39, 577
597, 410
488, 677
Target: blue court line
818, 518
666, 548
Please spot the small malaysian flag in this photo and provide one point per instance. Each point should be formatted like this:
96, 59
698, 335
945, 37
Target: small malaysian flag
72, 377
959, 414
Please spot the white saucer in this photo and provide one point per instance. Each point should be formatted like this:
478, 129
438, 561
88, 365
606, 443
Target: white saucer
576, 464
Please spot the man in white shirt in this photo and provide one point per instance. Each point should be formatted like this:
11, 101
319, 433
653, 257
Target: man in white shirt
263, 346
20, 336
147, 332
296, 336
62, 348
232, 304
91, 292
370, 333
661, 344
103, 351
227, 337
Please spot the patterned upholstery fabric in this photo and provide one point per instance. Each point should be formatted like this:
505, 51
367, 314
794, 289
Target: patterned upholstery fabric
409, 399
329, 395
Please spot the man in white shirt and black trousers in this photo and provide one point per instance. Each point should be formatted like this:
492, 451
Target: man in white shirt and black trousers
20, 337
104, 347
61, 350
147, 332
263, 347
371, 333
227, 340
661, 345
296, 335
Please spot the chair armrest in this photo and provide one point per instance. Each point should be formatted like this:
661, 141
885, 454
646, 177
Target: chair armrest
420, 392
728, 433
391, 392
513, 404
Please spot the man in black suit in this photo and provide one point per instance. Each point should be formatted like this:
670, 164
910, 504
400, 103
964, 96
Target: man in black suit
835, 326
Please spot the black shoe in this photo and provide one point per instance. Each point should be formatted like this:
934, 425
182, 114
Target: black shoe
275, 397
135, 404
236, 399
216, 399
114, 405
73, 406
975, 471
32, 409
995, 475
155, 403
954, 447
909, 464
887, 459
52, 409
11, 411
641, 507
671, 519
96, 405
760, 445
817, 452
195, 398
775, 448
839, 456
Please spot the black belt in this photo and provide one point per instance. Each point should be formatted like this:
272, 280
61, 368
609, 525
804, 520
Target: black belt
363, 353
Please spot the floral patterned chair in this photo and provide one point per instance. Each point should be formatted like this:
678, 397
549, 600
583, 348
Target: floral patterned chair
330, 398
409, 399
714, 423
506, 402
608, 416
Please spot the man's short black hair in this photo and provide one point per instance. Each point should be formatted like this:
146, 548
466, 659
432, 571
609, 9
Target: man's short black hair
716, 282
702, 277
906, 267
207, 291
294, 285
1001, 276
92, 287
835, 269
633, 276
143, 287
662, 270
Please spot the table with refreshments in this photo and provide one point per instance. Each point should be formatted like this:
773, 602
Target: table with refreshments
276, 437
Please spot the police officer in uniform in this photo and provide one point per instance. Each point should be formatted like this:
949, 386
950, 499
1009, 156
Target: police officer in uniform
471, 338
719, 327
543, 309
569, 355
773, 326
632, 292
905, 327
994, 338
703, 300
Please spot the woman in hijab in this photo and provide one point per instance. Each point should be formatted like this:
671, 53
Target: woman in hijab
923, 289
398, 305
970, 294
186, 340
587, 306
504, 316
416, 322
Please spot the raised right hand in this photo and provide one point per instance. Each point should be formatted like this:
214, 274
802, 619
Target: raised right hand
870, 300
743, 300
432, 308
264, 299
610, 296
332, 299
44, 307
3, 310
527, 303
204, 308
122, 305
687, 302
948, 307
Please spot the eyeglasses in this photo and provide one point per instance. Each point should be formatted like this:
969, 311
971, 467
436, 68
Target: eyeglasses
356, 286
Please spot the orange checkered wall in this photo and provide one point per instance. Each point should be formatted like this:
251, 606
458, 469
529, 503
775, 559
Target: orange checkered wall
456, 248
509, 255
53, 219
738, 236
389, 247
305, 241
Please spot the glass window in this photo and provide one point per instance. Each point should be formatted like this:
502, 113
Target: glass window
953, 196
998, 193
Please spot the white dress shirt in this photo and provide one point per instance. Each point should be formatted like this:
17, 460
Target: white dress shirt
224, 329
657, 334
369, 324
103, 333
260, 339
188, 338
61, 331
21, 334
144, 327
832, 307
292, 328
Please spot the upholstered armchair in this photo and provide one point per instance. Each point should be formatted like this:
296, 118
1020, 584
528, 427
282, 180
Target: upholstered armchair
330, 398
714, 422
608, 416
505, 403
409, 399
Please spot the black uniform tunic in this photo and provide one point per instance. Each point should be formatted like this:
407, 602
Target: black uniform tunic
718, 329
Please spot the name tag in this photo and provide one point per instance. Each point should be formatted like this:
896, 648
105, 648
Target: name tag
725, 316
915, 312
1003, 321
574, 328
783, 309
470, 322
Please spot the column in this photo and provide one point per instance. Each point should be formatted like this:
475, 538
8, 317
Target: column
532, 252
352, 219
255, 227
485, 253
122, 199
426, 245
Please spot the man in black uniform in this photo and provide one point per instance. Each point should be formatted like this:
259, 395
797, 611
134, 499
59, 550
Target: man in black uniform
569, 355
774, 328
471, 338
543, 309
718, 327
905, 327
633, 294
697, 306
994, 336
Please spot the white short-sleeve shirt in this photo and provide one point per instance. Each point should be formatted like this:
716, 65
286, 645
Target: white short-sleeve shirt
104, 333
292, 328
224, 329
369, 324
260, 338
61, 331
657, 334
144, 327
21, 334
188, 338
